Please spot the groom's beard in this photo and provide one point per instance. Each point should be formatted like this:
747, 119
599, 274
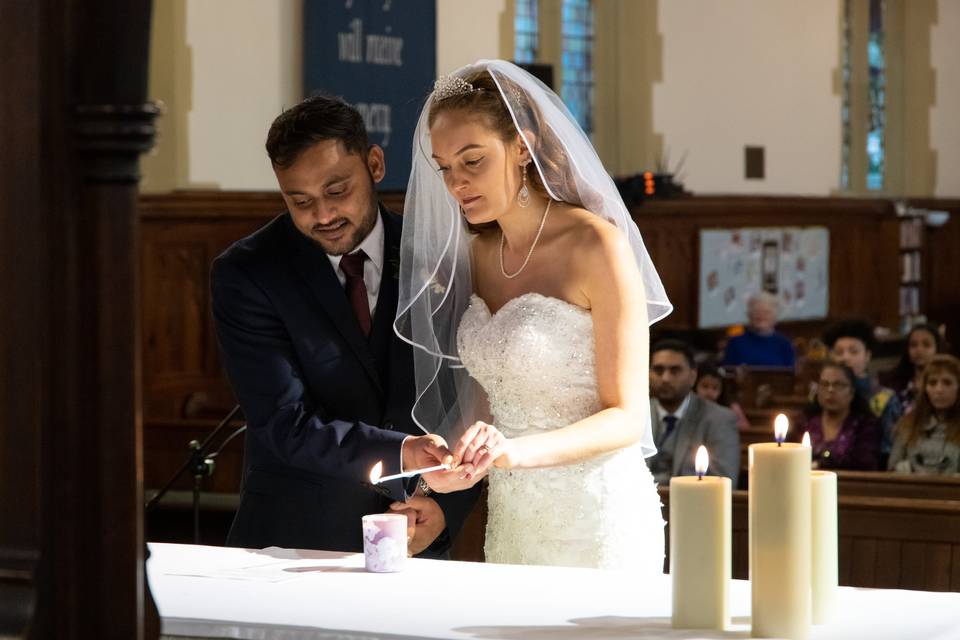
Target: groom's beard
355, 233
667, 393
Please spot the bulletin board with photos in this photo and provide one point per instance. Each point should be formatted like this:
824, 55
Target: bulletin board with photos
792, 263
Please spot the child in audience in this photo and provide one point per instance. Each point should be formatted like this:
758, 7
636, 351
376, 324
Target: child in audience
923, 342
851, 343
714, 385
928, 438
844, 433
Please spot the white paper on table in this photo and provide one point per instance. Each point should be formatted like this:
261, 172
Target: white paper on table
289, 565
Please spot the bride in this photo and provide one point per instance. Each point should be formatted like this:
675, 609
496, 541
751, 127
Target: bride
527, 291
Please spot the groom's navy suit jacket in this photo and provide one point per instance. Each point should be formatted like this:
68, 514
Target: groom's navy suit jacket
323, 403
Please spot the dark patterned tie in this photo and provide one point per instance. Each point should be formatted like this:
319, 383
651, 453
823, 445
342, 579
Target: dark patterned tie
352, 267
671, 422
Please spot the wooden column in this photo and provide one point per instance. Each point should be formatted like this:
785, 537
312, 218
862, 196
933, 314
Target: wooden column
73, 123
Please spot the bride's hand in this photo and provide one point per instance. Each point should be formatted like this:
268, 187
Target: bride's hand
482, 445
458, 478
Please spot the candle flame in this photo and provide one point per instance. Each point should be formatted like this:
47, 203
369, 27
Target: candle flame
376, 472
806, 439
702, 460
780, 427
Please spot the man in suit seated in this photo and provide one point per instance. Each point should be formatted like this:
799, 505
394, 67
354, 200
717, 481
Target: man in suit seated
682, 421
304, 311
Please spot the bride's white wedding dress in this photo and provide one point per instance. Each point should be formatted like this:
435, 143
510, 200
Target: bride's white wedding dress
535, 360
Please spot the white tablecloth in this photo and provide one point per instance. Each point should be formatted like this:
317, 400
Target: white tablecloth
214, 592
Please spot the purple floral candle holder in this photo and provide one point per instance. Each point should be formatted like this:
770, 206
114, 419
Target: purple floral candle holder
384, 542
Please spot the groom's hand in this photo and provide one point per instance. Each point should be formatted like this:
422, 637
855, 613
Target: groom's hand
425, 521
420, 452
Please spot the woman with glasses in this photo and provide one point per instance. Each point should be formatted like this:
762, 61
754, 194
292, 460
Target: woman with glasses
843, 431
928, 438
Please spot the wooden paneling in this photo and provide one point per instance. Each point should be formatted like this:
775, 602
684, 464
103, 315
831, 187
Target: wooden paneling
181, 234
941, 268
864, 244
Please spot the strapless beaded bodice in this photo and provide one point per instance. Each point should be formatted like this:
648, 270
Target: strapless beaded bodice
535, 359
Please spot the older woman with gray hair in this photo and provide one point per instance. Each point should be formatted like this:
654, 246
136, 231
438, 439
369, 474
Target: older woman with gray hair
760, 345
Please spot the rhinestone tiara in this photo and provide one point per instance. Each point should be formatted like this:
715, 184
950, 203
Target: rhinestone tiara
449, 86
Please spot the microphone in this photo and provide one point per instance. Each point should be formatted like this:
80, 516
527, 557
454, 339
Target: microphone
201, 465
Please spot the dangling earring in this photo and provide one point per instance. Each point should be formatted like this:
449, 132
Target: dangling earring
523, 196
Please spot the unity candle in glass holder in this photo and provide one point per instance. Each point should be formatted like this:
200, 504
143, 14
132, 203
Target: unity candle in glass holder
780, 537
700, 561
384, 542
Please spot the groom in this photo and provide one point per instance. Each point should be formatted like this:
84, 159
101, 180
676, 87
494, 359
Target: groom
304, 311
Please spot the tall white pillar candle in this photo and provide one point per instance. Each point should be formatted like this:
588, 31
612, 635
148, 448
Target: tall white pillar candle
780, 538
824, 556
700, 548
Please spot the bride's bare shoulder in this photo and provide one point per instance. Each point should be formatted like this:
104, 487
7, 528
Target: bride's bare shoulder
588, 235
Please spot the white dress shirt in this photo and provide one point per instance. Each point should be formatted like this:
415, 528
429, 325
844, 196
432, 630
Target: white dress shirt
372, 245
663, 413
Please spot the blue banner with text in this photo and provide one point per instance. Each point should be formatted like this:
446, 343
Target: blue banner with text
381, 57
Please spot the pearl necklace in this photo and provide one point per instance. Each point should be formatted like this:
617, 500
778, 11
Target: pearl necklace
543, 221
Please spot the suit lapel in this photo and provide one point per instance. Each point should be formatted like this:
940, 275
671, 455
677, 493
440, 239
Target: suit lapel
313, 266
685, 433
381, 334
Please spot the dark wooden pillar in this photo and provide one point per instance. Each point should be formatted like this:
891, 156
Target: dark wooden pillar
73, 123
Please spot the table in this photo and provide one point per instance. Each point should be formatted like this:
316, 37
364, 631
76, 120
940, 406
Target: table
216, 592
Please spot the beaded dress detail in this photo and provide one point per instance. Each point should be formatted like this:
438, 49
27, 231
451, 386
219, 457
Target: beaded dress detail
535, 360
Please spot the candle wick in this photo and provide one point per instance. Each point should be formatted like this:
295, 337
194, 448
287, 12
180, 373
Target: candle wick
699, 477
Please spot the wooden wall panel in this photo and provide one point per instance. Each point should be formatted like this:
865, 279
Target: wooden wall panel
862, 233
941, 269
181, 235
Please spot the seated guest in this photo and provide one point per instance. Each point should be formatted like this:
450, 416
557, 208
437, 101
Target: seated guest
923, 342
928, 438
843, 431
715, 385
682, 421
760, 345
851, 343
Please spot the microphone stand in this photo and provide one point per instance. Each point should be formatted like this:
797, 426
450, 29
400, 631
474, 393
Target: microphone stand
201, 465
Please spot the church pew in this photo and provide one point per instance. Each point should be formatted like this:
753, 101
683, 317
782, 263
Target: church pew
898, 485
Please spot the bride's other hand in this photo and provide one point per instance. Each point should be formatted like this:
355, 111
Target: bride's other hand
482, 445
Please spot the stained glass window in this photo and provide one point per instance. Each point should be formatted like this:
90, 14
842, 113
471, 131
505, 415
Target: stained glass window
526, 34
875, 76
878, 97
577, 34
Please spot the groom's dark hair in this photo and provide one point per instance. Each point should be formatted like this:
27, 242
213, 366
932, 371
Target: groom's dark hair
678, 346
315, 119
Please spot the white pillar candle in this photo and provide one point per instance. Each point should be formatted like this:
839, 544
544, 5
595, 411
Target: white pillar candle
825, 563
780, 532
700, 561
